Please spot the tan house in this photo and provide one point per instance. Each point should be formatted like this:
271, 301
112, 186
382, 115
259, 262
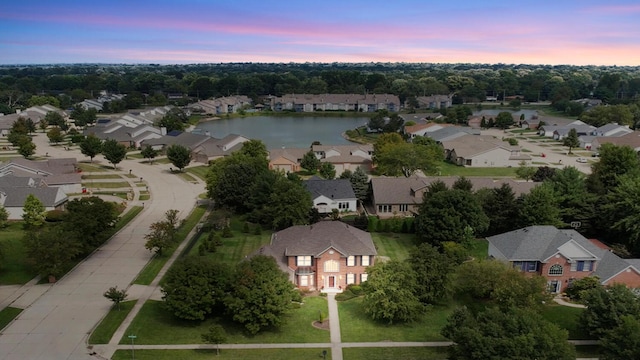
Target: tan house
223, 105
326, 256
345, 157
483, 151
631, 139
562, 256
400, 196
287, 160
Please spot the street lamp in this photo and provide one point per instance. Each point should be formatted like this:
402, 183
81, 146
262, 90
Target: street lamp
132, 337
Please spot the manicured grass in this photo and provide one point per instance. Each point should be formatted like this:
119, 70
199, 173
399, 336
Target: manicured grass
162, 161
566, 318
185, 176
357, 326
395, 246
447, 169
91, 167
155, 325
7, 315
106, 185
156, 263
199, 171
404, 353
260, 354
101, 176
144, 195
108, 326
14, 269
134, 155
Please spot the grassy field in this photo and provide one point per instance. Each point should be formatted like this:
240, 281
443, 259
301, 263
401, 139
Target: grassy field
261, 354
154, 265
199, 171
404, 353
357, 326
106, 185
447, 169
155, 325
101, 176
7, 315
108, 326
91, 167
395, 246
566, 318
14, 269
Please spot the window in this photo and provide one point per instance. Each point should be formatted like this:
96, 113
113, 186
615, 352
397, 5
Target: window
365, 260
527, 266
351, 279
363, 277
582, 265
384, 208
351, 260
303, 260
555, 269
403, 207
331, 266
304, 280
343, 206
467, 162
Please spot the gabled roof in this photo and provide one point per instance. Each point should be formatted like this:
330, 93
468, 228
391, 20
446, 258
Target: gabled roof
631, 139
612, 126
452, 132
471, 145
343, 149
292, 154
612, 265
49, 196
338, 189
51, 166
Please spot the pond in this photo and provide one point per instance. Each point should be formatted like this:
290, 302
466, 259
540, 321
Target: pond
286, 131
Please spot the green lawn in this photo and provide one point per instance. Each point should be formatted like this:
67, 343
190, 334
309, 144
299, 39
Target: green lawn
588, 351
155, 325
108, 326
7, 315
357, 326
187, 177
101, 176
156, 263
567, 318
162, 161
261, 354
448, 169
395, 246
91, 167
106, 185
199, 171
404, 353
14, 269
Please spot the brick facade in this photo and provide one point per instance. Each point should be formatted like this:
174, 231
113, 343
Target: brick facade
330, 271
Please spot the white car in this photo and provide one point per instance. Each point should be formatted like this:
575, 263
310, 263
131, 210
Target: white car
581, 160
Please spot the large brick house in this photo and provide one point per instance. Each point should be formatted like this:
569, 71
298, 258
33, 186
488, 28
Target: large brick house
562, 256
325, 256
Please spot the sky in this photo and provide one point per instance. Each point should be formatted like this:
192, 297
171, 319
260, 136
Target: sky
574, 32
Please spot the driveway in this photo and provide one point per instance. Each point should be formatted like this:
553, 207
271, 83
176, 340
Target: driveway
58, 318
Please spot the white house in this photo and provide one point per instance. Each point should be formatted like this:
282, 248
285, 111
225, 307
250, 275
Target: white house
331, 194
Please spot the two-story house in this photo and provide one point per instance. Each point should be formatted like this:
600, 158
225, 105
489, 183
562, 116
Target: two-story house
326, 256
562, 256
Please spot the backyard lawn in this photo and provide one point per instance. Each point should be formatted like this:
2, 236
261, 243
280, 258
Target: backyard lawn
448, 169
14, 269
393, 245
155, 325
566, 318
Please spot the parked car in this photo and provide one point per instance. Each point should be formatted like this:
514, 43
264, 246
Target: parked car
597, 154
581, 160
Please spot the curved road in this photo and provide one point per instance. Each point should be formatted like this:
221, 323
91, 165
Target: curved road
58, 318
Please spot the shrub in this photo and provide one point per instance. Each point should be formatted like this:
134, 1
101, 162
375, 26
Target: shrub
54, 215
577, 289
226, 232
257, 230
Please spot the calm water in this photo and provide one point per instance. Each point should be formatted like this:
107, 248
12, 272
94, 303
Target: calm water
290, 132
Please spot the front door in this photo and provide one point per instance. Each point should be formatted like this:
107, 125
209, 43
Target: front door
332, 281
554, 286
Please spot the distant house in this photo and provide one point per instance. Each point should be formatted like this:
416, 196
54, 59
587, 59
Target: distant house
423, 129
14, 191
328, 195
53, 172
326, 256
435, 101
203, 148
562, 256
401, 196
563, 132
287, 160
549, 129
532, 123
124, 132
345, 157
611, 129
631, 139
35, 113
450, 133
421, 118
335, 102
483, 151
222, 105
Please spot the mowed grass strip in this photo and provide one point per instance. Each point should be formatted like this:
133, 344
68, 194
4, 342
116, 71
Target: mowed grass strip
15, 267
566, 318
7, 315
101, 176
199, 171
156, 325
106, 184
108, 326
357, 326
404, 353
258, 354
395, 246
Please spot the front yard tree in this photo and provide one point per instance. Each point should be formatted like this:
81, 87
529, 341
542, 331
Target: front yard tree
327, 170
115, 295
395, 157
623, 341
571, 140
260, 294
449, 216
180, 156
310, 162
33, 212
50, 250
195, 287
88, 219
501, 208
360, 184
514, 334
432, 269
149, 153
113, 151
55, 135
504, 120
54, 119
91, 146
26, 147
525, 172
606, 306
390, 292
4, 217
216, 335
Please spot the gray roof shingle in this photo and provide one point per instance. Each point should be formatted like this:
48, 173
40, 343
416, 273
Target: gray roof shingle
338, 189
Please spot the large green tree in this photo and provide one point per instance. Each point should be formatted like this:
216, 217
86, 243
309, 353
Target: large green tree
113, 151
359, 182
310, 162
575, 202
33, 212
91, 146
621, 211
623, 341
432, 273
511, 334
260, 294
571, 140
395, 157
88, 220
290, 203
174, 119
504, 120
51, 250
26, 147
390, 292
55, 135
180, 156
606, 307
539, 207
195, 287
149, 153
614, 162
501, 208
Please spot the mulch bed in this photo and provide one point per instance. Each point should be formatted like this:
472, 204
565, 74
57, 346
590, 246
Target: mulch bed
321, 325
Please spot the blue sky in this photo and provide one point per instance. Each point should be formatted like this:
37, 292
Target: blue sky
580, 32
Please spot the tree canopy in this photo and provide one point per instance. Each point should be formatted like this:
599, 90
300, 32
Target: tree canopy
180, 156
395, 157
91, 146
113, 151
